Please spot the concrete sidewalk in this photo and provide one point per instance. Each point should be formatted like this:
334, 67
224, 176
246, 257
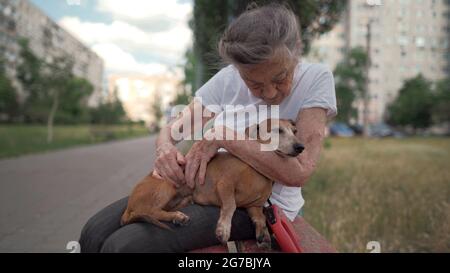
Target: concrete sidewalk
45, 199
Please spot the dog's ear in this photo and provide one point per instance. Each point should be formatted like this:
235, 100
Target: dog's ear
292, 122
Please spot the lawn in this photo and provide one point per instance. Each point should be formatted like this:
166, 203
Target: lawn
394, 191
18, 140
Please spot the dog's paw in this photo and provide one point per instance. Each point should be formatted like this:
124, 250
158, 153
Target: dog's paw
181, 219
263, 240
223, 233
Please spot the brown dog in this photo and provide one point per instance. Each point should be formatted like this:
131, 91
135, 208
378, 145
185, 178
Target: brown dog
229, 183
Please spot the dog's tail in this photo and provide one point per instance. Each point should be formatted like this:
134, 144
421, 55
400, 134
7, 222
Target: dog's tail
129, 218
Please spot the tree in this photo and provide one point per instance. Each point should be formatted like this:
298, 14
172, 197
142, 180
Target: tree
157, 112
51, 86
413, 105
57, 79
9, 104
188, 84
108, 112
441, 105
211, 17
350, 81
73, 109
29, 76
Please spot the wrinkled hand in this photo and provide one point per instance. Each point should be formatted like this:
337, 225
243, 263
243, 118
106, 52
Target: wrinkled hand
169, 164
197, 159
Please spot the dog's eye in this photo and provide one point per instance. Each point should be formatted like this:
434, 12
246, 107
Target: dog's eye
280, 131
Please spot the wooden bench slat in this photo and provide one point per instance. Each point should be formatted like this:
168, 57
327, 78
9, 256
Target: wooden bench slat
311, 241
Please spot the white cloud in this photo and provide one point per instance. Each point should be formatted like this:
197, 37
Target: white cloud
169, 45
142, 9
117, 60
155, 29
92, 33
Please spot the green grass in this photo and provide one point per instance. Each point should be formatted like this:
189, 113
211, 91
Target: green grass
395, 191
18, 140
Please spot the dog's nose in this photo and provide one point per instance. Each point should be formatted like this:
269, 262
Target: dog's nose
298, 148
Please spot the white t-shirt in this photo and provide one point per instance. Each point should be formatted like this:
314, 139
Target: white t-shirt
313, 86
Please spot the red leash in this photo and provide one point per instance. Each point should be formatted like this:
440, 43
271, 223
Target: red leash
282, 229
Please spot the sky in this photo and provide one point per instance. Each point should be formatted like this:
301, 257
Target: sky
132, 36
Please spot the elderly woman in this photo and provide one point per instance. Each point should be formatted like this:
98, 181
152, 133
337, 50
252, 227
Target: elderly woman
263, 48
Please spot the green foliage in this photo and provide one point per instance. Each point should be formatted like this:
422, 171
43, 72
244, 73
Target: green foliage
188, 85
73, 108
31, 78
157, 113
20, 139
441, 108
413, 106
53, 92
9, 104
108, 112
350, 80
29, 71
317, 17
182, 98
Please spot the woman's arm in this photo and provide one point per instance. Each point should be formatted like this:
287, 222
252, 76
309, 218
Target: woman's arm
168, 159
185, 117
293, 171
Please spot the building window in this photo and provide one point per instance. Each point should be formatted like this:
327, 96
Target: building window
403, 40
11, 25
420, 42
7, 10
444, 43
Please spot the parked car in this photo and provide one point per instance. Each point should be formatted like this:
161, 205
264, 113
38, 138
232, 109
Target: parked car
357, 129
383, 130
380, 130
341, 130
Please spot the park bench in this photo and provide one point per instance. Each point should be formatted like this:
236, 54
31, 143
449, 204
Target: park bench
311, 241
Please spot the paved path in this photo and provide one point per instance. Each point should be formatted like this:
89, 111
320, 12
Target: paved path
45, 199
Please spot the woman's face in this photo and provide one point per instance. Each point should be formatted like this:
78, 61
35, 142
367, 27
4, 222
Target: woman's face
270, 80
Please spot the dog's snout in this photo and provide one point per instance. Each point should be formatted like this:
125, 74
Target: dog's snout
298, 148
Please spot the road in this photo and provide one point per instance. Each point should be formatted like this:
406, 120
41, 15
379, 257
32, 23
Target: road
45, 199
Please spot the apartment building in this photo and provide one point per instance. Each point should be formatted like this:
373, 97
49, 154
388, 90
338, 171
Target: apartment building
20, 18
408, 37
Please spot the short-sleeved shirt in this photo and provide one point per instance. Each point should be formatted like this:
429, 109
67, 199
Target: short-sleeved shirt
313, 86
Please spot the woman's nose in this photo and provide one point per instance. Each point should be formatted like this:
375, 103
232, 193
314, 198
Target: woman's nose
270, 92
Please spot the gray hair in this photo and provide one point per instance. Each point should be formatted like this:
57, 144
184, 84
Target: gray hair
258, 33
